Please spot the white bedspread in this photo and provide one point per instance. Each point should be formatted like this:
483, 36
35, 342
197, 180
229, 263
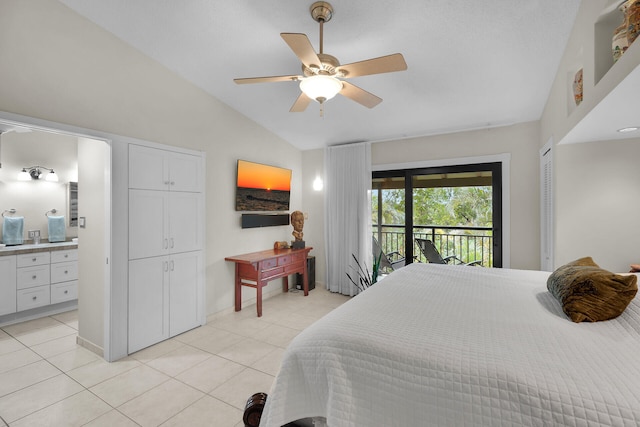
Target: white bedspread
460, 346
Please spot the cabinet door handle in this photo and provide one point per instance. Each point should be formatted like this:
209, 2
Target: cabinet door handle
34, 259
66, 292
66, 255
66, 272
34, 277
172, 265
166, 243
172, 243
34, 298
166, 183
173, 183
166, 266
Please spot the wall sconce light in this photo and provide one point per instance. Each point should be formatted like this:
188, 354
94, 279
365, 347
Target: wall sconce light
35, 172
318, 184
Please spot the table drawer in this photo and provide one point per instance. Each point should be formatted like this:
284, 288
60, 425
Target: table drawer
28, 260
272, 273
269, 263
33, 297
62, 256
66, 291
284, 260
29, 277
64, 271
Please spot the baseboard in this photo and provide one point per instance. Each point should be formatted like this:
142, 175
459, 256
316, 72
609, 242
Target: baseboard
36, 313
90, 346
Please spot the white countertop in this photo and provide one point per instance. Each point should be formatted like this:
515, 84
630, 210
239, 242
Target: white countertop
41, 247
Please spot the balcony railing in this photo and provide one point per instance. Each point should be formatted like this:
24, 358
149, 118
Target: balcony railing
467, 243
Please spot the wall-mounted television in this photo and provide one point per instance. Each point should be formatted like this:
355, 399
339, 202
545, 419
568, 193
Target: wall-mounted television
262, 187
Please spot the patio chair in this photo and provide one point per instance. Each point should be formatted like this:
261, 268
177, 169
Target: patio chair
430, 252
392, 260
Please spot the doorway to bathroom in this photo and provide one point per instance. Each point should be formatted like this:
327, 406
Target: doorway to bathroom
82, 195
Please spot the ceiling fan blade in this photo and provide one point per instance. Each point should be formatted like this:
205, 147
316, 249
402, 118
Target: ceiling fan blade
383, 64
301, 46
267, 79
361, 96
301, 103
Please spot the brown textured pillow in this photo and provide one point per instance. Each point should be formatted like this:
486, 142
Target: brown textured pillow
590, 294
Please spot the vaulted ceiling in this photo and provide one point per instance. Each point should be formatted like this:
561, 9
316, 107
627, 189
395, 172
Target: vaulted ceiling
471, 64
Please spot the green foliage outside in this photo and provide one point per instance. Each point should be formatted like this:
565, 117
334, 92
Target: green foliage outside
439, 207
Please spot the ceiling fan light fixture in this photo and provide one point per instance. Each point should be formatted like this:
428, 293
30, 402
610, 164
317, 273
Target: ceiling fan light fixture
320, 87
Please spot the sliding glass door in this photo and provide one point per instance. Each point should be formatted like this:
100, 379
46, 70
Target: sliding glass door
457, 208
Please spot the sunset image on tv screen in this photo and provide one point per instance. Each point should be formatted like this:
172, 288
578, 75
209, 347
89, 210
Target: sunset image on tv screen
262, 187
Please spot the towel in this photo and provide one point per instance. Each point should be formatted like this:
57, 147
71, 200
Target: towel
12, 230
57, 230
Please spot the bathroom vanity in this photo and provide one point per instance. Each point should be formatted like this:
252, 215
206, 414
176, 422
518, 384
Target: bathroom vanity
37, 280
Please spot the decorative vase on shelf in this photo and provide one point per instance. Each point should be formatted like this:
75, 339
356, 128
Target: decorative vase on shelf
632, 15
577, 87
619, 43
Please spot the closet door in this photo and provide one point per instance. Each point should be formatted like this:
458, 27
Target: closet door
185, 172
185, 217
148, 168
184, 276
148, 302
546, 207
148, 223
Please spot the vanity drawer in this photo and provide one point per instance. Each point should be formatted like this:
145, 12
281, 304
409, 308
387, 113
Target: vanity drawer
66, 291
63, 256
29, 277
38, 258
33, 297
64, 271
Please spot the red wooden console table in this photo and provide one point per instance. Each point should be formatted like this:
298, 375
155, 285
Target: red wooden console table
264, 266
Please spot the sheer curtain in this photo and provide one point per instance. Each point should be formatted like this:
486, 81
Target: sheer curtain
347, 213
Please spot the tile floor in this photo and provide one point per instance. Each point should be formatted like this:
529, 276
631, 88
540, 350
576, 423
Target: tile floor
202, 377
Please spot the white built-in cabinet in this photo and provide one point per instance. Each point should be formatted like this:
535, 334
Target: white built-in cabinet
163, 222
156, 169
64, 276
166, 228
37, 278
8, 284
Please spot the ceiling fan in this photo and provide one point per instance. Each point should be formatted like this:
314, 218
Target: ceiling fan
322, 74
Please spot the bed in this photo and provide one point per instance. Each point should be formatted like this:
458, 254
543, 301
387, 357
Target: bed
460, 346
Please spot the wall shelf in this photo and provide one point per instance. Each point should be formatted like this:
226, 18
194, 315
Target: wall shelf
609, 89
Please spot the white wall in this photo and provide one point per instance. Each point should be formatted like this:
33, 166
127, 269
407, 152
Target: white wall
313, 203
65, 69
33, 198
597, 203
597, 195
520, 141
